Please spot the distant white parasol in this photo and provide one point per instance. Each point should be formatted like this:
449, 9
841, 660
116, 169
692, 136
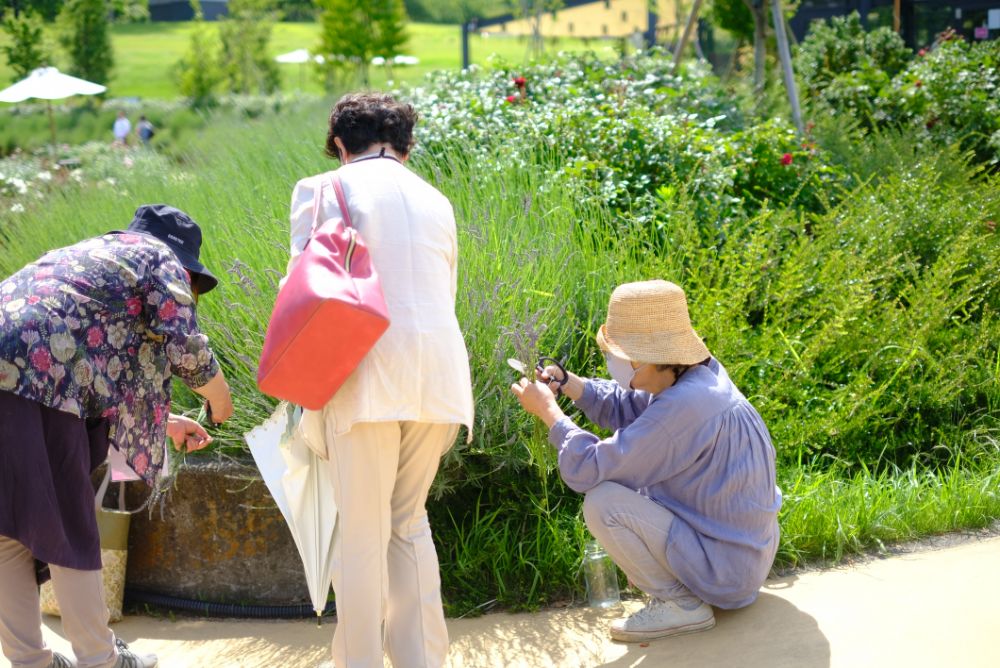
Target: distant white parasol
48, 83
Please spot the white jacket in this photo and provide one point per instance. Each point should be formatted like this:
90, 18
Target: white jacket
419, 369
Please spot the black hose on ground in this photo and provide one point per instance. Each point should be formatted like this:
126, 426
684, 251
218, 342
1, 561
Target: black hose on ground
233, 610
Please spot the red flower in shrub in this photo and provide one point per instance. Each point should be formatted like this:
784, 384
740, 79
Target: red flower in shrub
918, 83
511, 99
520, 82
922, 52
787, 159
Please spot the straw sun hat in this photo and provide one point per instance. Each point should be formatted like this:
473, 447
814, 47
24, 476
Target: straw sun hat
648, 322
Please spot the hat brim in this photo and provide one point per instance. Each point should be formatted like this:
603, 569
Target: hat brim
204, 280
655, 348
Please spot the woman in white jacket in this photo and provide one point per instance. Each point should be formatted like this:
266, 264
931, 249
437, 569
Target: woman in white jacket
399, 412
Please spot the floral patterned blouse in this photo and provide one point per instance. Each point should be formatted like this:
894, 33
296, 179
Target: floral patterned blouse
97, 329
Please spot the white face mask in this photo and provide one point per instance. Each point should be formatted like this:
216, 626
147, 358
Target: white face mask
621, 370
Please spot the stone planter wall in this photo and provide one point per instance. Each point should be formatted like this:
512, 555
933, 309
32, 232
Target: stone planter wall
220, 539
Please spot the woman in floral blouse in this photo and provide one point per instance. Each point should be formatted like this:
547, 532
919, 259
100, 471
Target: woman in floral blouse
90, 336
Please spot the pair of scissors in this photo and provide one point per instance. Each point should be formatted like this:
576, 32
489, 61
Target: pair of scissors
521, 367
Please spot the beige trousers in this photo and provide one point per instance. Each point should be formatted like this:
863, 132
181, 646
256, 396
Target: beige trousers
385, 576
81, 600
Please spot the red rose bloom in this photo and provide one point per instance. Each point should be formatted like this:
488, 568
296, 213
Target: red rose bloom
787, 159
511, 99
520, 82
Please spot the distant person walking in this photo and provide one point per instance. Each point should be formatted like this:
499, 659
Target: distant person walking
145, 130
121, 129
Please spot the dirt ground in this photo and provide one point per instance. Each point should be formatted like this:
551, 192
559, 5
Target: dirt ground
931, 604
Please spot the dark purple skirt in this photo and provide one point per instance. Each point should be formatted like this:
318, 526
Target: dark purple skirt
46, 496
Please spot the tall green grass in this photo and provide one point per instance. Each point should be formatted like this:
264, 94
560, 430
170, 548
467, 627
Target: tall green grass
870, 328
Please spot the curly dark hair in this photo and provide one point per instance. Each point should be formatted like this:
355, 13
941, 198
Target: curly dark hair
363, 119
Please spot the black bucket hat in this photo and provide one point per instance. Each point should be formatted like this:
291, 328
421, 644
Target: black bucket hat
176, 229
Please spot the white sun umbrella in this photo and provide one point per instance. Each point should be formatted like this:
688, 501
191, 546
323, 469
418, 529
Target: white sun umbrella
299, 56
296, 56
48, 83
299, 482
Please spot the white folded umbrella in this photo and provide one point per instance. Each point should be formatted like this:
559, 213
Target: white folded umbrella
299, 482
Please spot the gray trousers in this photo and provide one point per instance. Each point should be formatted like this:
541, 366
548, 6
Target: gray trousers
81, 601
633, 531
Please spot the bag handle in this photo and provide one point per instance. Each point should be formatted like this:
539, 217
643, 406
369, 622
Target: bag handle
103, 489
338, 188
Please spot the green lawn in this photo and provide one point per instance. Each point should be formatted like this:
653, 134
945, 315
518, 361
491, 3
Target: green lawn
144, 54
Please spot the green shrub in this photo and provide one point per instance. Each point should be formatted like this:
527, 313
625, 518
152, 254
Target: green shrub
846, 68
949, 93
627, 132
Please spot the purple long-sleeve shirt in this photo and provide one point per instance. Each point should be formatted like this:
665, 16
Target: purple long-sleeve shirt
700, 450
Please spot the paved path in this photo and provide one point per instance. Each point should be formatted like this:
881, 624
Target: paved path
934, 608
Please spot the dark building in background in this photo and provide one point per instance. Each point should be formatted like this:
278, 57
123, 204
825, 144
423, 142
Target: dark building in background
180, 10
920, 20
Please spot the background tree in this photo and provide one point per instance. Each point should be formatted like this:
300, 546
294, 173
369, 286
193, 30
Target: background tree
451, 11
390, 18
352, 33
197, 72
24, 48
84, 35
532, 11
296, 10
129, 11
47, 9
746, 20
245, 35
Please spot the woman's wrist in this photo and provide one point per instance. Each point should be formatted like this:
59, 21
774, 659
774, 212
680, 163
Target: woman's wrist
574, 387
551, 414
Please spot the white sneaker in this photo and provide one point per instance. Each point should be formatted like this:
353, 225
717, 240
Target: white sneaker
129, 659
660, 619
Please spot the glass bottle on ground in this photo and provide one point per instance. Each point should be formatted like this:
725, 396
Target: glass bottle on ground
601, 577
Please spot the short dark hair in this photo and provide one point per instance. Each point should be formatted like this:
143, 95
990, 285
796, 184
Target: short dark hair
363, 119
